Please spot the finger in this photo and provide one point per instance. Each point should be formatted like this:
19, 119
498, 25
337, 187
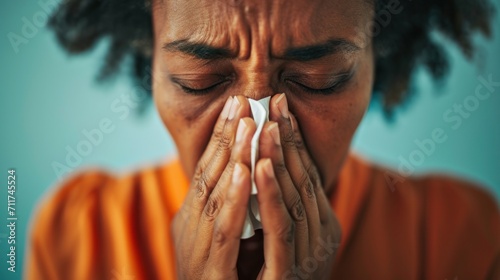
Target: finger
300, 177
186, 219
214, 160
229, 225
210, 167
279, 113
240, 153
270, 147
277, 225
326, 215
307, 162
324, 207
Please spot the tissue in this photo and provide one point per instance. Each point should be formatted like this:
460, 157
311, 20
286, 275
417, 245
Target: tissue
260, 113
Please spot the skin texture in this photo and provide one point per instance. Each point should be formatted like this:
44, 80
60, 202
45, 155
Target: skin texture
301, 151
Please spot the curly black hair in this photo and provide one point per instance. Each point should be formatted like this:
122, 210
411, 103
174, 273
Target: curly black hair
400, 46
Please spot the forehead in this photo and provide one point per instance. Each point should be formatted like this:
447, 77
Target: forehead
273, 24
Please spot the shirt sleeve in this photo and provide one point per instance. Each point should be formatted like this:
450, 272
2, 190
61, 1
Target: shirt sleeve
63, 241
462, 222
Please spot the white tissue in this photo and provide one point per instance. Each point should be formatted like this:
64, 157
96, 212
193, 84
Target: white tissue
260, 112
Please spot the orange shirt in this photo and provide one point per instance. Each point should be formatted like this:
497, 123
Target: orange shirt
101, 227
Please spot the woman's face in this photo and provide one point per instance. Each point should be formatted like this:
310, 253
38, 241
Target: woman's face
313, 51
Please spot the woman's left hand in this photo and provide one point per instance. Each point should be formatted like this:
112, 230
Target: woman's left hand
301, 232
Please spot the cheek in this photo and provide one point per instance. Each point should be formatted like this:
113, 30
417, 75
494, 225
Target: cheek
328, 137
328, 128
190, 131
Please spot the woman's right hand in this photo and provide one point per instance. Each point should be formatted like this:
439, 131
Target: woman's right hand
208, 227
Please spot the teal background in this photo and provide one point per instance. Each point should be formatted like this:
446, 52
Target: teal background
48, 98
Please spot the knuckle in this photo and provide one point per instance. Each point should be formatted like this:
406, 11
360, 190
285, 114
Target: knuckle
314, 176
202, 187
217, 134
212, 208
280, 167
306, 186
222, 150
297, 210
287, 138
206, 181
299, 143
225, 142
309, 167
220, 235
203, 183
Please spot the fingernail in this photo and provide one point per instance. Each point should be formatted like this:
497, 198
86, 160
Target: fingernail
275, 133
268, 167
241, 130
234, 108
237, 174
292, 122
282, 105
225, 111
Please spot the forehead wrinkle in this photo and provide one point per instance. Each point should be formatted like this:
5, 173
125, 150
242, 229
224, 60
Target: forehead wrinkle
276, 25
268, 27
224, 26
258, 19
196, 21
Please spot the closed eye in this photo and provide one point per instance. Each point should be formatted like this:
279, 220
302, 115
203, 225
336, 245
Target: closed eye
202, 90
200, 86
329, 87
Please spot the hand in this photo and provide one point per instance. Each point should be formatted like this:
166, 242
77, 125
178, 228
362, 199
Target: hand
301, 232
208, 227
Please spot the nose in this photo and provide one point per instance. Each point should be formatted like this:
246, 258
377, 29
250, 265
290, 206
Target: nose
258, 85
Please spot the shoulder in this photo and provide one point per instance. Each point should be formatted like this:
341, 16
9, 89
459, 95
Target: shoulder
462, 222
441, 195
96, 207
457, 219
115, 189
67, 201
440, 191
63, 223
447, 194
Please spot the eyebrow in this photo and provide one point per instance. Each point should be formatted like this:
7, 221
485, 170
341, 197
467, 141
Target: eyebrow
313, 52
304, 53
199, 50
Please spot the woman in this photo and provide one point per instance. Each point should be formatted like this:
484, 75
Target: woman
325, 213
